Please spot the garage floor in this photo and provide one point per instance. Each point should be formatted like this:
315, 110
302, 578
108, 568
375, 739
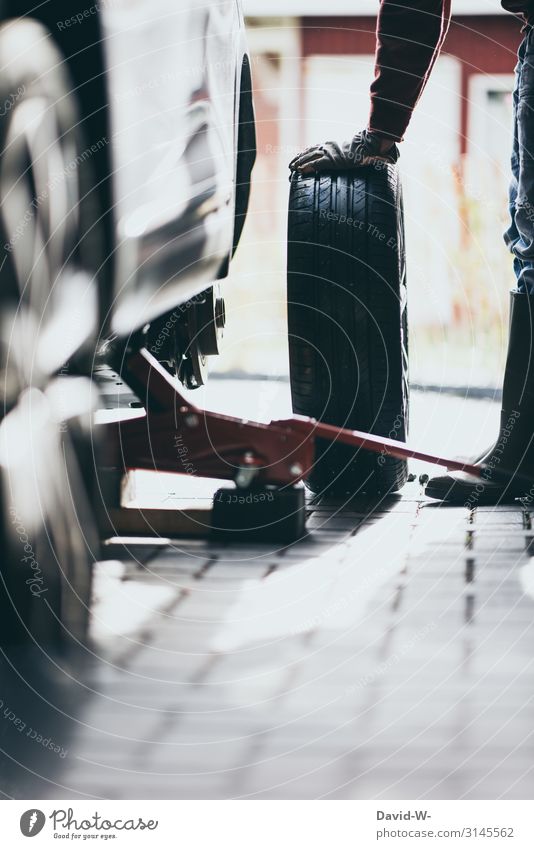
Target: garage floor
388, 655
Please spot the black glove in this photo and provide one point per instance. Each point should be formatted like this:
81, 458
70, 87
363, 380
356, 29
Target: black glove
365, 148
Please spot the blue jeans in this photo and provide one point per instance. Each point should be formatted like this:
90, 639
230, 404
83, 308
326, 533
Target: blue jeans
520, 235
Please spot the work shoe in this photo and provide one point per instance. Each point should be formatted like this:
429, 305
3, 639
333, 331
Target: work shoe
514, 449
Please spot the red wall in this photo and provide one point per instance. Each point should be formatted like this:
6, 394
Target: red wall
483, 43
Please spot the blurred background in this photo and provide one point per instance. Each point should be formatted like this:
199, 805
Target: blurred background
311, 79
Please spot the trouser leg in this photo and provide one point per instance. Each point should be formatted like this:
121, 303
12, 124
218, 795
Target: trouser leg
520, 235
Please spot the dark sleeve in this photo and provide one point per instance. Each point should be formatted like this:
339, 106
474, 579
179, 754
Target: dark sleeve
410, 34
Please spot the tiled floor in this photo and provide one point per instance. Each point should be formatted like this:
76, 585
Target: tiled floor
388, 655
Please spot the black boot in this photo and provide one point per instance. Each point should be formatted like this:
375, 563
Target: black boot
514, 448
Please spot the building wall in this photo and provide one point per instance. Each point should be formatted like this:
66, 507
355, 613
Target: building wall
454, 165
483, 45
311, 77
270, 8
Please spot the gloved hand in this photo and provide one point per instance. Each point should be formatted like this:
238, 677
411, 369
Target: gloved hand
365, 148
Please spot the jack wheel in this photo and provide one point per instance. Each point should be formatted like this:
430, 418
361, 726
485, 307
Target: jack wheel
259, 514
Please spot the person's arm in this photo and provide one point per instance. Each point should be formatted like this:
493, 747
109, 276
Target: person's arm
410, 34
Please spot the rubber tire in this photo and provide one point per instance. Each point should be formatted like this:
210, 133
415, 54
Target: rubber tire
347, 320
47, 530
50, 261
48, 536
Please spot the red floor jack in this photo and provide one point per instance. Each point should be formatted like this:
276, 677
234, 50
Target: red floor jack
267, 462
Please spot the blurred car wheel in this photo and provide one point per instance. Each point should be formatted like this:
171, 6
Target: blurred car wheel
48, 219
47, 532
48, 324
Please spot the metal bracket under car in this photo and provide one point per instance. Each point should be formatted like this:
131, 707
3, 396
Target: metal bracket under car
267, 462
184, 338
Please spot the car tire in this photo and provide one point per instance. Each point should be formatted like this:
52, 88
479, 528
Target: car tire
347, 320
48, 533
48, 324
49, 211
